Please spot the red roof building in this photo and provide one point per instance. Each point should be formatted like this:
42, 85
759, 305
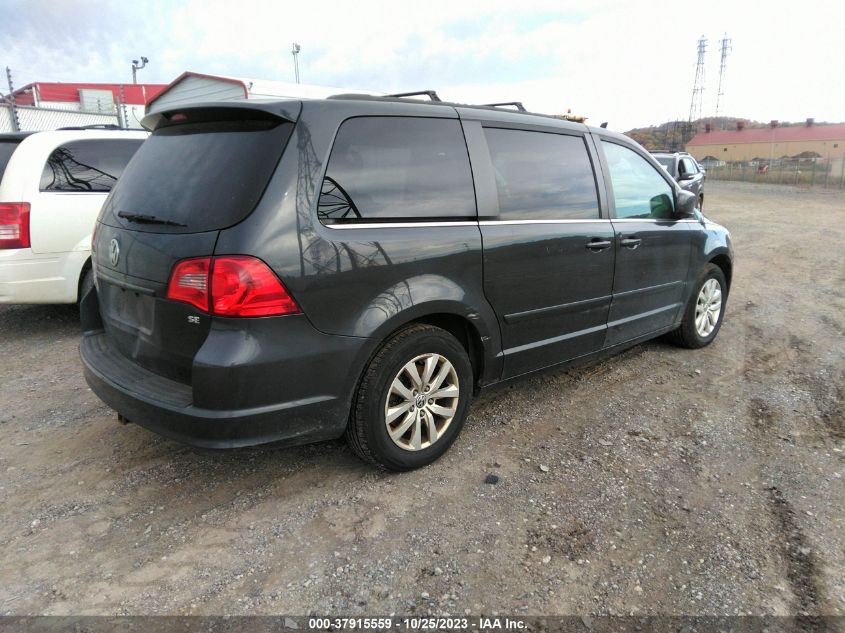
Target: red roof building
740, 144
45, 93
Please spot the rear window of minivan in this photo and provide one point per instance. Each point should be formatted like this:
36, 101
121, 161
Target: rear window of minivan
92, 165
7, 148
200, 172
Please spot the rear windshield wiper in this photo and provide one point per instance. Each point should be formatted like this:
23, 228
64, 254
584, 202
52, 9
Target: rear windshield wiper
140, 218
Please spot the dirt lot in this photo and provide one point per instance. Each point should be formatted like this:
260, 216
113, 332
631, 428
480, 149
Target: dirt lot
677, 482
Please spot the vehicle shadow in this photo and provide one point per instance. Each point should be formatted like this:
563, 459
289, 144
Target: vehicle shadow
335, 455
26, 319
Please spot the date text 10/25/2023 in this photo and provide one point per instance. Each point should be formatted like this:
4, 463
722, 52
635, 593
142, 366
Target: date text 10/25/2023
417, 623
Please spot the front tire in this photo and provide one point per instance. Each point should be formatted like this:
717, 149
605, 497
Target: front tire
704, 311
412, 400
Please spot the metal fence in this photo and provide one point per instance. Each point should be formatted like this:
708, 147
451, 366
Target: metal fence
32, 119
799, 172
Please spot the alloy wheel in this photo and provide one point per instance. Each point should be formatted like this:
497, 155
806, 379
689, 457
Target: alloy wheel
708, 307
421, 402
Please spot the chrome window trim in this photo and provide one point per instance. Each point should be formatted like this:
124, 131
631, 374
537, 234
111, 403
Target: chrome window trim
396, 225
568, 221
654, 220
403, 225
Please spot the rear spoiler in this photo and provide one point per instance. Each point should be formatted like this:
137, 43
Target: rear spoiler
223, 111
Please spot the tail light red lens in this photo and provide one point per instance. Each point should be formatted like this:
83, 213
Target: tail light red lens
189, 282
245, 287
14, 225
231, 286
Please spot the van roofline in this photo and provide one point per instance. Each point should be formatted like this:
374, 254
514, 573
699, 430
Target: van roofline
289, 110
14, 136
489, 107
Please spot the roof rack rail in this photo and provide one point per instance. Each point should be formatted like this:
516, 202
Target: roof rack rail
431, 94
93, 126
516, 104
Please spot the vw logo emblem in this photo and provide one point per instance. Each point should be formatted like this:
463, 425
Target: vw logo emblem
114, 252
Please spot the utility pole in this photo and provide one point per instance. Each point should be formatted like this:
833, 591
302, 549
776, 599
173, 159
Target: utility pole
724, 49
16, 124
136, 67
295, 52
697, 89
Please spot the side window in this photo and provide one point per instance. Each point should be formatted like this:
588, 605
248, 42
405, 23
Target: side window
688, 166
542, 176
397, 168
92, 166
639, 191
7, 148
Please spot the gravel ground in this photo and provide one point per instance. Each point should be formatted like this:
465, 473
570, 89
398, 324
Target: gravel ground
662, 481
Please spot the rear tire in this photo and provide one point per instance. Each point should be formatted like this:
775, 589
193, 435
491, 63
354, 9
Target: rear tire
704, 311
412, 400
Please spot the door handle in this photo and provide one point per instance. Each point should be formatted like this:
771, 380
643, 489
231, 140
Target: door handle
630, 242
598, 244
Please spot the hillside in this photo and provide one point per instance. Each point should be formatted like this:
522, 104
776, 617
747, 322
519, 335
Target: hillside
674, 134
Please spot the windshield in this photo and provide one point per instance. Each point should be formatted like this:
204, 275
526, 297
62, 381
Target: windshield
7, 148
666, 162
198, 175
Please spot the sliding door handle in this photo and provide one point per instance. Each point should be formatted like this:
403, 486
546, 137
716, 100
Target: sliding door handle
598, 244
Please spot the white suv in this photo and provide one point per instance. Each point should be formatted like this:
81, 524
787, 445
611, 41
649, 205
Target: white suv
52, 185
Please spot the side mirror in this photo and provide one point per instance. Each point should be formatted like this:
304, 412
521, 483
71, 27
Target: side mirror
686, 176
685, 204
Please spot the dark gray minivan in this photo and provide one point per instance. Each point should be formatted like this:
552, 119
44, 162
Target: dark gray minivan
299, 270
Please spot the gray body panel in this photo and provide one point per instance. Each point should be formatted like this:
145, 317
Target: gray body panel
533, 295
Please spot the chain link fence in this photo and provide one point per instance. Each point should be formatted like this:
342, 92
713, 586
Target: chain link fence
33, 119
800, 172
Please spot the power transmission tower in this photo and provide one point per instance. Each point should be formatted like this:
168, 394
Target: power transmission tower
724, 49
295, 52
697, 100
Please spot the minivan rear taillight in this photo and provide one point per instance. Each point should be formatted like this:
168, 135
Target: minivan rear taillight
189, 282
231, 286
14, 225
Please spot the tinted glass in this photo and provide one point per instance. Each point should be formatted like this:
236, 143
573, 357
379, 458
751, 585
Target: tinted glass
666, 161
204, 175
542, 176
689, 166
87, 165
7, 148
638, 189
397, 168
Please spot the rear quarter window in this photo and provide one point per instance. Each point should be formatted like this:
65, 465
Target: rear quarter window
397, 169
87, 166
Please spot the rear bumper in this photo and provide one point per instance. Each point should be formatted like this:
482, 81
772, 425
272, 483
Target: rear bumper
27, 277
308, 411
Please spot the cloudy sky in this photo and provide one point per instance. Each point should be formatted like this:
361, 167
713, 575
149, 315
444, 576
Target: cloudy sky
630, 63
